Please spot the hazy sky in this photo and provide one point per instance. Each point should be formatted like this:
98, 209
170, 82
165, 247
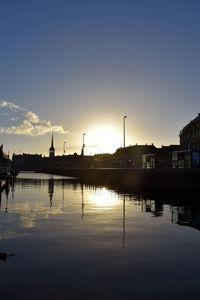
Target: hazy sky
75, 66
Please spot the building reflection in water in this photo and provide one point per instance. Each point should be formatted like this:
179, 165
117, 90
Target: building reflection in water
63, 193
7, 189
13, 188
51, 190
0, 195
82, 202
186, 216
155, 207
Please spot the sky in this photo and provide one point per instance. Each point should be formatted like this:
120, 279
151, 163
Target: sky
74, 67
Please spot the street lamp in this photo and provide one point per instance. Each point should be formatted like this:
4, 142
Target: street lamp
124, 118
64, 147
83, 144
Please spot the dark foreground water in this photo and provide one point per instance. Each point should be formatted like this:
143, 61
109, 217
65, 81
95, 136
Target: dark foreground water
72, 241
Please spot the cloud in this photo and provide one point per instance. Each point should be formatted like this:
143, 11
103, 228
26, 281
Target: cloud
31, 123
27, 128
32, 117
11, 105
13, 119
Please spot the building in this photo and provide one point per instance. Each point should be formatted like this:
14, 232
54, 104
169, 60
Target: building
161, 158
189, 154
27, 162
185, 159
5, 163
52, 149
190, 135
3, 156
132, 156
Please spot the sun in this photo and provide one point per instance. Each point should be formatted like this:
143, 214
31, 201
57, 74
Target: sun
103, 139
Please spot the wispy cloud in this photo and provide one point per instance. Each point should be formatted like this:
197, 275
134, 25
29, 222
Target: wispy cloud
11, 105
13, 119
31, 123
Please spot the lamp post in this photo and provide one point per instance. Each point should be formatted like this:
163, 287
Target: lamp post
124, 132
64, 147
83, 144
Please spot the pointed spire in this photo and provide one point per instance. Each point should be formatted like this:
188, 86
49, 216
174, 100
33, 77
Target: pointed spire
52, 149
52, 141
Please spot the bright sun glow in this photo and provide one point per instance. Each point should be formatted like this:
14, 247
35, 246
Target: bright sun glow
103, 139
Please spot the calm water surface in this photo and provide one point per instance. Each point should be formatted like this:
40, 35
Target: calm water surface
73, 241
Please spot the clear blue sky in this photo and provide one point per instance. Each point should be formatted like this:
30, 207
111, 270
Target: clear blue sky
82, 65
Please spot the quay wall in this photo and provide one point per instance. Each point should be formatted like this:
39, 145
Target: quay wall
135, 178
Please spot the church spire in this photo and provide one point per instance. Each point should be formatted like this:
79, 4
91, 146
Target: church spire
52, 149
52, 140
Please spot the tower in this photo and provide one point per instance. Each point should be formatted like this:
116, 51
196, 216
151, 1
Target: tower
52, 149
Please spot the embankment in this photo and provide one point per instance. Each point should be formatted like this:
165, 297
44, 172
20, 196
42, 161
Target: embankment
132, 179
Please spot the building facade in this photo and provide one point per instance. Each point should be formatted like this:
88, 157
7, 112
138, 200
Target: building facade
27, 162
190, 135
185, 159
161, 158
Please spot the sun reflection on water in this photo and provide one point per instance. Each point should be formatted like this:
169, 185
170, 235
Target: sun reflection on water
103, 198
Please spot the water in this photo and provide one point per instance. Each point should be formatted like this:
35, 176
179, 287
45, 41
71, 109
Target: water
72, 241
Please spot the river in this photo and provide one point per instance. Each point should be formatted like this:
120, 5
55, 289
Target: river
74, 241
